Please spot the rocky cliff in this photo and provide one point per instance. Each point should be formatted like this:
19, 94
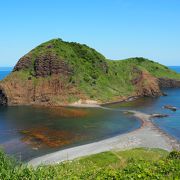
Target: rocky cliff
59, 73
146, 85
44, 65
3, 97
168, 83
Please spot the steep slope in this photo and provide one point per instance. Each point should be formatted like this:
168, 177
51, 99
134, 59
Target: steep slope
59, 73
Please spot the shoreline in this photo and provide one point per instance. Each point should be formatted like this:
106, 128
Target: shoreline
82, 103
95, 104
148, 135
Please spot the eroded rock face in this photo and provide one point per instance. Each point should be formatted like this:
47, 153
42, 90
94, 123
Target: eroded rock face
168, 83
50, 91
146, 84
49, 64
44, 65
3, 98
23, 63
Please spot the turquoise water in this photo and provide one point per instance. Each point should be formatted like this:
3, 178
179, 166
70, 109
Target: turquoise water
27, 132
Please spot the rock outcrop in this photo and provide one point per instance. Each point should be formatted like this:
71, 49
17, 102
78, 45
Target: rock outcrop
3, 97
52, 91
44, 65
49, 65
24, 63
168, 83
159, 115
146, 84
172, 108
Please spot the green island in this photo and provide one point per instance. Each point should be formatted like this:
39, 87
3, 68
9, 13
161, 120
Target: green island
137, 163
61, 73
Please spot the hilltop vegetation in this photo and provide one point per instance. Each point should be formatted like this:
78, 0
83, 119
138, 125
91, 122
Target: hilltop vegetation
59, 72
130, 164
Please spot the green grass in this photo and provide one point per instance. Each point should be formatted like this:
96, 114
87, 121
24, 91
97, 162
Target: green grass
130, 164
143, 154
156, 69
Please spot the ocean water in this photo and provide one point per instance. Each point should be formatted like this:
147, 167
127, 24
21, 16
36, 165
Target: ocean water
170, 124
175, 68
28, 132
4, 71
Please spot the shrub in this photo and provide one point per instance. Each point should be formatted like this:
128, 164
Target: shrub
174, 155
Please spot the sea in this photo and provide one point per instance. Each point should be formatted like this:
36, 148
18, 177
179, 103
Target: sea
27, 132
4, 71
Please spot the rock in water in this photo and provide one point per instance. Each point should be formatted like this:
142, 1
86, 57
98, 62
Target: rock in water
172, 108
159, 115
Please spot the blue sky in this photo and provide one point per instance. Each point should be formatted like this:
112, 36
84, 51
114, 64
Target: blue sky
117, 28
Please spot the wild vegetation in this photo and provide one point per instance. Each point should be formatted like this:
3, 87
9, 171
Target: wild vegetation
130, 164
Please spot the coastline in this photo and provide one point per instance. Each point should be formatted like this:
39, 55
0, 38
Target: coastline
148, 135
96, 104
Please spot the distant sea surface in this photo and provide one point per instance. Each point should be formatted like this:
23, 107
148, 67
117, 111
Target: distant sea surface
21, 126
175, 68
4, 71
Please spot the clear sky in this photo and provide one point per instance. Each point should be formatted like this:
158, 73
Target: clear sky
117, 28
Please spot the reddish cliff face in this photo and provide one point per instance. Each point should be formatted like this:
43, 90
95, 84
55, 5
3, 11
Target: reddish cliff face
146, 84
52, 91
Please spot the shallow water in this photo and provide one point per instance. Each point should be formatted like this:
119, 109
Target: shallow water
32, 131
28, 132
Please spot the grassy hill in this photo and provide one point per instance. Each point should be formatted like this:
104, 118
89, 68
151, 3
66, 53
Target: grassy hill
80, 72
130, 164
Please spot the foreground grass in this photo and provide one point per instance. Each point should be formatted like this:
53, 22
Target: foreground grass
131, 164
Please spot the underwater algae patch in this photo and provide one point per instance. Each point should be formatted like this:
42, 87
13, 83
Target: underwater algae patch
68, 112
65, 111
42, 136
